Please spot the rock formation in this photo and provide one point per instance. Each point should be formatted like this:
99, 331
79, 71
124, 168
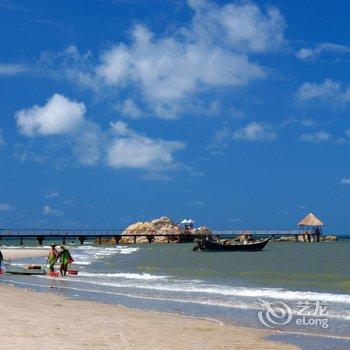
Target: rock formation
148, 230
286, 239
331, 238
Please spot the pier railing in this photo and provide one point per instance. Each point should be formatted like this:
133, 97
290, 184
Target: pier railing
82, 235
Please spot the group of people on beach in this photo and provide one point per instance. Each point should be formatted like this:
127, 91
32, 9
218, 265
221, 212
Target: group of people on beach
63, 255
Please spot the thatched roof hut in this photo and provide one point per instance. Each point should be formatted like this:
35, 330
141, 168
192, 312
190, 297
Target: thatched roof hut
311, 220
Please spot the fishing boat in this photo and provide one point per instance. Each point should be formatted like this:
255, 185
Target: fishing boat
17, 270
213, 245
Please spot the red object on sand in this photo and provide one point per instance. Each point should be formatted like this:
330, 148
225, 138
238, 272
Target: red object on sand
53, 274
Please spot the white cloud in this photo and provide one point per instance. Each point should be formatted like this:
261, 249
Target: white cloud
119, 147
47, 210
167, 74
235, 220
132, 150
6, 207
243, 26
255, 131
52, 195
88, 144
319, 49
58, 116
11, 69
130, 109
328, 91
345, 181
316, 137
168, 70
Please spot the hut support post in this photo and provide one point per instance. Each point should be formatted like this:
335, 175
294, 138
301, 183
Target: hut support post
135, 239
117, 239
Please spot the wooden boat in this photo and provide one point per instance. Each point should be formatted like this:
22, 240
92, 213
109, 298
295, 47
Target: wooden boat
17, 270
212, 245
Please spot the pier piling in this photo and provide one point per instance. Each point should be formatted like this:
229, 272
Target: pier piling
40, 239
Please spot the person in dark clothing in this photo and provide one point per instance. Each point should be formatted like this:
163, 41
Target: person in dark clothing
1, 259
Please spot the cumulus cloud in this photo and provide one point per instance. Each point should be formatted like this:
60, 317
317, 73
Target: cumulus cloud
118, 147
58, 116
319, 49
11, 68
6, 207
255, 131
168, 70
47, 210
327, 91
130, 109
167, 74
89, 144
316, 137
61, 116
132, 150
243, 26
345, 181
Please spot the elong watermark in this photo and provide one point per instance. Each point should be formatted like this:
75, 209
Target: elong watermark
303, 313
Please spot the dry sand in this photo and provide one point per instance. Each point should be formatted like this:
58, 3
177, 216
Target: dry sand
23, 253
31, 320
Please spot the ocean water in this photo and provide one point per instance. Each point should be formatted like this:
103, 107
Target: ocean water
226, 286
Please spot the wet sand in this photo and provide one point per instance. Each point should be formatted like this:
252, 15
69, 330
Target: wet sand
32, 320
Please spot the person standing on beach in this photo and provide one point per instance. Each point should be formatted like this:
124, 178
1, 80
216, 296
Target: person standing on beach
1, 259
52, 258
65, 259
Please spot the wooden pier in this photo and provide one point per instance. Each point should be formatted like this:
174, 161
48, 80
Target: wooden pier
64, 235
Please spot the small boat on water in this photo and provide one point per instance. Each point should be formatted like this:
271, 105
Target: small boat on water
18, 270
213, 245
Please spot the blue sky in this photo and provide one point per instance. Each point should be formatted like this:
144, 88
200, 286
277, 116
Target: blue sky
232, 113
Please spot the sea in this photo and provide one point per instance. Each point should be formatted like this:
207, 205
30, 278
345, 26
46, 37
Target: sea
299, 289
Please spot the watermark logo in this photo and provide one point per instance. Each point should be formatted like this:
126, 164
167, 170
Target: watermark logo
303, 313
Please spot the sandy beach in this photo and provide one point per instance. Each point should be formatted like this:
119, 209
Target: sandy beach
23, 253
32, 320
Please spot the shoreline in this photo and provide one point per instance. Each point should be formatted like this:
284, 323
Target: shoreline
27, 323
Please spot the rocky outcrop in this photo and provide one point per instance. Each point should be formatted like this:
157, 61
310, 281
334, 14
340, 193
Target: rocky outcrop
286, 239
331, 238
163, 225
146, 232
